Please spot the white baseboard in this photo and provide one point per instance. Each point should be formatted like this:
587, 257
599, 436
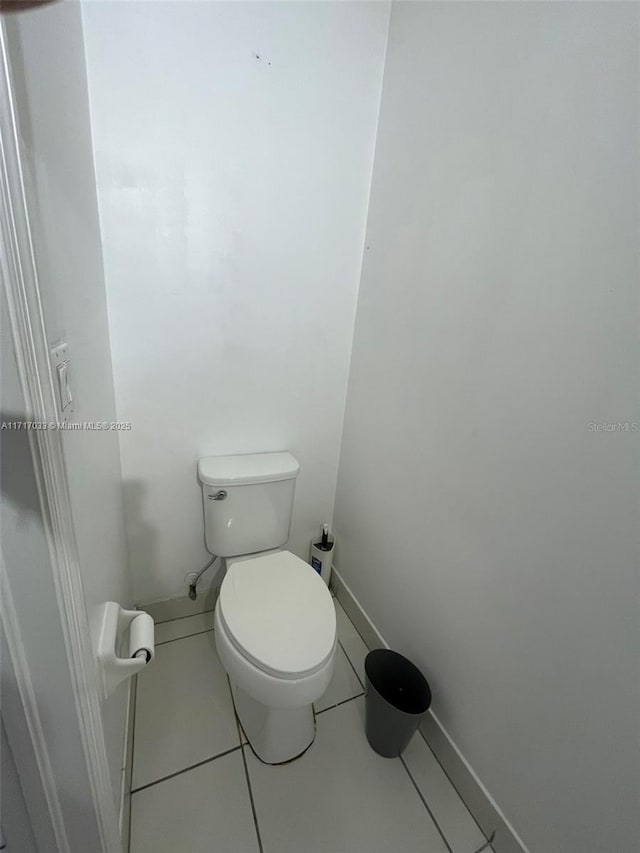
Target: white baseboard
364, 626
181, 606
487, 813
465, 780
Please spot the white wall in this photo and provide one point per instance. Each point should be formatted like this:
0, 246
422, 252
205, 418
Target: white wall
233, 146
48, 70
487, 531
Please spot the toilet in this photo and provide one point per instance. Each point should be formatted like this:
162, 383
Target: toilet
274, 621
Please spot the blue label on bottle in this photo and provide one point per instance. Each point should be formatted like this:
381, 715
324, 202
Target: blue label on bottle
316, 564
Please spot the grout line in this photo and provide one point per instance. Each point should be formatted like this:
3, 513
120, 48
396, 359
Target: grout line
337, 705
358, 695
486, 846
421, 735
455, 788
253, 805
175, 639
246, 769
451, 782
351, 664
185, 769
178, 618
133, 753
241, 733
431, 815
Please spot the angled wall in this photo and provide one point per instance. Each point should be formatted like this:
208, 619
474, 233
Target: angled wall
486, 524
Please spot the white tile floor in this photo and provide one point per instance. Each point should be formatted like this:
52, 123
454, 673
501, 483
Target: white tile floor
198, 788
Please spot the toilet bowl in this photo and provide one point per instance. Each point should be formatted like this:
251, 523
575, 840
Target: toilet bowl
275, 633
275, 624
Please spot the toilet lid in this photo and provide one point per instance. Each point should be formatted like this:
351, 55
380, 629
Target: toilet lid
279, 613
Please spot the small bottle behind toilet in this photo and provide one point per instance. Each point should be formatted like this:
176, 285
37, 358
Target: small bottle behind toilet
321, 555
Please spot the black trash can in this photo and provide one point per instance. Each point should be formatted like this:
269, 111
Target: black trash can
397, 698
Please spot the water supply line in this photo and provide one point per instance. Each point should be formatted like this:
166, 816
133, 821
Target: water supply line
194, 583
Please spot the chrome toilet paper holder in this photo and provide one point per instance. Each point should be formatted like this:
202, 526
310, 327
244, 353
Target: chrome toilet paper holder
114, 622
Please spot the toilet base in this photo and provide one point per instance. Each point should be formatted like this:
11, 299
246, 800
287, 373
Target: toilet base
276, 735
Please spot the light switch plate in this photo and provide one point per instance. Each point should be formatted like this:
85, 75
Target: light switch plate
62, 376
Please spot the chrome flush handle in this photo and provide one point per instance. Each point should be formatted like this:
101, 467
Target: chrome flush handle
220, 495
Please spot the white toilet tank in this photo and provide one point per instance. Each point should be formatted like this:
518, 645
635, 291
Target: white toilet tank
248, 501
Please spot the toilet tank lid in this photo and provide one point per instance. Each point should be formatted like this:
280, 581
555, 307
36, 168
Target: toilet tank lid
247, 468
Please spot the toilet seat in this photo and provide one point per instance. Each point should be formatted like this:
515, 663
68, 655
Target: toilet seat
278, 613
